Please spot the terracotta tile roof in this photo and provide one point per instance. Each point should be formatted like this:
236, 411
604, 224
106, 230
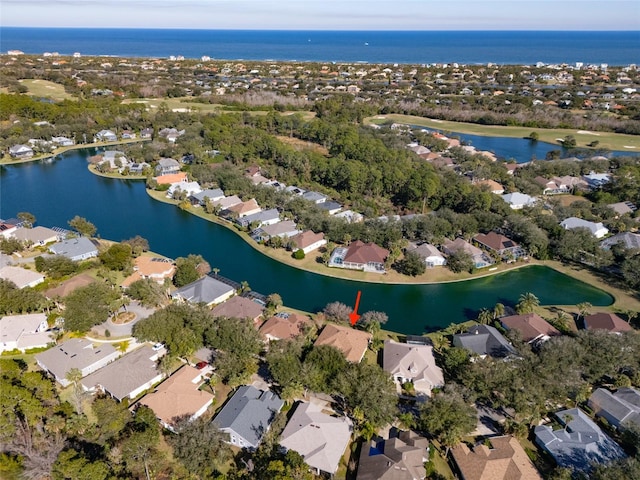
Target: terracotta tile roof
280, 328
360, 252
505, 460
68, 286
353, 343
238, 307
606, 321
171, 178
530, 326
306, 238
245, 207
495, 241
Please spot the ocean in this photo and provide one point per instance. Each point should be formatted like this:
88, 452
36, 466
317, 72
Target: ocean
406, 47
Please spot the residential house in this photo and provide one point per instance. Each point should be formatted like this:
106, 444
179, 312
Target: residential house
308, 241
178, 188
621, 409
314, 197
171, 134
491, 185
138, 168
36, 236
500, 245
517, 200
319, 438
171, 178
20, 151
247, 416
362, 256
156, 268
227, 202
495, 458
627, 240
128, 376
430, 254
167, 166
351, 342
623, 208
22, 332
146, 133
330, 207
479, 258
412, 363
579, 444
211, 194
260, 218
179, 396
76, 353
62, 141
7, 229
597, 180
105, 136
127, 135
69, 286
598, 230
284, 326
205, 290
239, 307
114, 160
606, 321
484, 340
76, 249
285, 229
243, 209
552, 187
350, 216
532, 327
400, 457
21, 277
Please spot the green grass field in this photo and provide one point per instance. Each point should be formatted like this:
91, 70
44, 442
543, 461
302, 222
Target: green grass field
46, 89
611, 141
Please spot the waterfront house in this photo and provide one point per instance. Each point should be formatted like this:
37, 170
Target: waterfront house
20, 151
76, 249
284, 326
532, 327
179, 396
36, 236
239, 307
285, 229
319, 438
351, 342
578, 445
212, 195
598, 230
206, 290
261, 218
479, 258
243, 209
606, 321
429, 254
495, 458
62, 141
178, 188
128, 376
226, 202
105, 136
167, 166
7, 229
621, 409
22, 332
76, 353
114, 160
171, 178
500, 245
308, 241
400, 457
365, 256
21, 277
247, 416
484, 340
412, 363
138, 168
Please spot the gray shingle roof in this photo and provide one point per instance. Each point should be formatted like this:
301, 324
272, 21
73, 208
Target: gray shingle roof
75, 248
618, 408
484, 340
249, 413
204, 290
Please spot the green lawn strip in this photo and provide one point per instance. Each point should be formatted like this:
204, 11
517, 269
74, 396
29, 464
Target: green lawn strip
607, 140
46, 89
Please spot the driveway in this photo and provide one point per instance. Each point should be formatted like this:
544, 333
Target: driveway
125, 330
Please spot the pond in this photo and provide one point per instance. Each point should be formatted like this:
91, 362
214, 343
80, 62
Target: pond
57, 190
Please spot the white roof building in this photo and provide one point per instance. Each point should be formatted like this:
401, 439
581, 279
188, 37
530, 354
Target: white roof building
518, 201
22, 332
412, 363
598, 230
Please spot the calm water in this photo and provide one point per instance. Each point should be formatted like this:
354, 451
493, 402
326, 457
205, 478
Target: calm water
502, 47
55, 192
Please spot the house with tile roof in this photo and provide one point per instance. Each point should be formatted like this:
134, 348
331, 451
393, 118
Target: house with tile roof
157, 269
500, 245
400, 457
226, 202
171, 178
496, 458
7, 229
76, 353
285, 230
37, 236
239, 307
284, 326
368, 257
22, 332
205, 290
179, 396
353, 343
412, 363
480, 259
484, 340
308, 241
319, 438
69, 286
128, 376
491, 185
620, 409
532, 327
578, 445
429, 253
243, 209
247, 416
606, 321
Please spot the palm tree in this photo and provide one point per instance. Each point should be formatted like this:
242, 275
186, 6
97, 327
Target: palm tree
527, 303
485, 316
631, 316
498, 311
584, 308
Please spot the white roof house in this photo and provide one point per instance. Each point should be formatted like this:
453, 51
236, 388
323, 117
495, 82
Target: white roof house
21, 277
598, 230
22, 332
412, 363
76, 249
190, 188
205, 290
518, 201
320, 438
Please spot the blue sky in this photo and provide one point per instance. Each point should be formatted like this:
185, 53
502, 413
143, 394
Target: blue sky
327, 14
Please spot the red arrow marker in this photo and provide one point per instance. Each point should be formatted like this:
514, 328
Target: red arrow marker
353, 316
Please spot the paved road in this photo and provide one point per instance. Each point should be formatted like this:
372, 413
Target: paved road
125, 330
